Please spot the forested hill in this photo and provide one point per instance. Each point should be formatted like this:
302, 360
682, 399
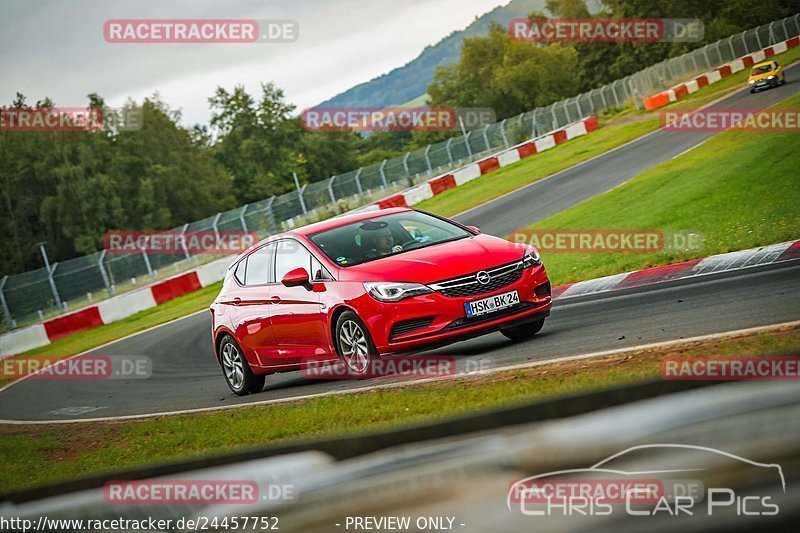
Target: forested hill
411, 80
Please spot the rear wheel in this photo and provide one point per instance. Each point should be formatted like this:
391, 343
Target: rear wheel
354, 344
238, 374
523, 331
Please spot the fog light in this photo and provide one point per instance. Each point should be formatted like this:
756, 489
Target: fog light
542, 290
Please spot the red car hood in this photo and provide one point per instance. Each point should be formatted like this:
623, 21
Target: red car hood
438, 262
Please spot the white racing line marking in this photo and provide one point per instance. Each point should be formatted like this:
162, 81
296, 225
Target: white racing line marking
605, 353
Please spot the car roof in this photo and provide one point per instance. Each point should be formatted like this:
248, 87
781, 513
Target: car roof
763, 63
317, 227
343, 220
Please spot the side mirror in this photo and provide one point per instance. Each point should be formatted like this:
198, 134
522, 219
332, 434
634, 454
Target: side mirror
296, 277
473, 228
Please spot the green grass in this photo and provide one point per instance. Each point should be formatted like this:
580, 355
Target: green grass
38, 455
507, 179
739, 190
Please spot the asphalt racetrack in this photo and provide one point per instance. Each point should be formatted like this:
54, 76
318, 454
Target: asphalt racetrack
186, 376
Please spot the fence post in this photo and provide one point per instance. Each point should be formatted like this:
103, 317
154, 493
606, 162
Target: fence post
241, 217
300, 193
449, 154
271, 215
772, 39
50, 278
428, 158
6, 311
383, 175
758, 40
102, 268
503, 132
214, 226
466, 142
358, 181
405, 162
533, 124
147, 261
566, 110
797, 23
183, 241
330, 190
486, 138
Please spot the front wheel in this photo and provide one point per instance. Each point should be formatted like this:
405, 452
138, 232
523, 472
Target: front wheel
523, 331
238, 374
354, 344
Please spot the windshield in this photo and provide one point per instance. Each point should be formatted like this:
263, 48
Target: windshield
763, 69
386, 235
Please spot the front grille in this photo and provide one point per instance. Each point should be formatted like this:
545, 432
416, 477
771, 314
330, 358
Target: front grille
470, 286
407, 326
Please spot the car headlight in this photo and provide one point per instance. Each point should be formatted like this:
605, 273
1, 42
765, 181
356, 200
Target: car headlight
384, 291
531, 259
770, 77
751, 82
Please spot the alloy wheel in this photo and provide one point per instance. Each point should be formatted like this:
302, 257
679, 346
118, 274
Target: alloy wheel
353, 343
233, 366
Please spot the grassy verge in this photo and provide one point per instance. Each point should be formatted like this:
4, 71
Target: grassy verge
86, 340
37, 455
739, 190
507, 179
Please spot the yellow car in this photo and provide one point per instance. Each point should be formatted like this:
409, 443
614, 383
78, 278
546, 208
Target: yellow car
766, 74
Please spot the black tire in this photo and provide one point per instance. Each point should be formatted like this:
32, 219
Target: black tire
523, 331
783, 80
354, 344
236, 370
752, 91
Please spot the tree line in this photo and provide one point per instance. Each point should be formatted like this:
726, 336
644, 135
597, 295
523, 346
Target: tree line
68, 188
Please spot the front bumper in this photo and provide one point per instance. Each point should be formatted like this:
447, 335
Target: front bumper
435, 319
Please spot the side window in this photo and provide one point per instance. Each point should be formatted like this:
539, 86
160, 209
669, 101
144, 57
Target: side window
239, 272
291, 254
259, 266
318, 272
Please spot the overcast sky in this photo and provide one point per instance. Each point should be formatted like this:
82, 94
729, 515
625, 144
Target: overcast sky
56, 48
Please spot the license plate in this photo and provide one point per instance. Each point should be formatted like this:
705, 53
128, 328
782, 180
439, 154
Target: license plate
491, 304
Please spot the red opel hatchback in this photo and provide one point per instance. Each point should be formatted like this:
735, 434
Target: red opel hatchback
357, 286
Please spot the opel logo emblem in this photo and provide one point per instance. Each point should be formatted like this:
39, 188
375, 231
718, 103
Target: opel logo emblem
483, 277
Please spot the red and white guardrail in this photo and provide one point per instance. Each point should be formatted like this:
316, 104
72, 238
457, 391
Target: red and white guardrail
463, 175
679, 91
112, 309
127, 304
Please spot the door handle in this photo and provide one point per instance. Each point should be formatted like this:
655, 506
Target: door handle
237, 301
275, 299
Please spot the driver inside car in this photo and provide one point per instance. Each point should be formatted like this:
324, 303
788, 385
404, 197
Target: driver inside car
378, 239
